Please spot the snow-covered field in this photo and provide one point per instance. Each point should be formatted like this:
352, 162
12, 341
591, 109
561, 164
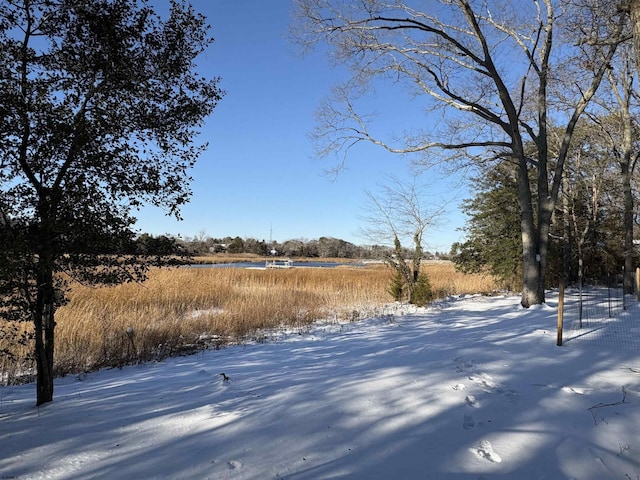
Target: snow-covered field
471, 388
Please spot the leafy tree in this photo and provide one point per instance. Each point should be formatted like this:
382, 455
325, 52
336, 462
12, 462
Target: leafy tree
492, 230
236, 246
100, 102
160, 246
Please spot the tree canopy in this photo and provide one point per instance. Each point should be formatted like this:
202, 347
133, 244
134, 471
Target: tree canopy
100, 106
493, 243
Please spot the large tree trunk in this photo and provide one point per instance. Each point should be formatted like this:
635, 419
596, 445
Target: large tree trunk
532, 294
532, 268
44, 310
626, 168
629, 253
44, 330
534, 252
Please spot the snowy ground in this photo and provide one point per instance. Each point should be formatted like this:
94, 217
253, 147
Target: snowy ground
471, 388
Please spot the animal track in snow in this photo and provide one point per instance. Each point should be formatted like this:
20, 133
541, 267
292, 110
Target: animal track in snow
485, 450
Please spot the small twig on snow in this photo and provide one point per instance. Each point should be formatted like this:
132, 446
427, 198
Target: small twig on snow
601, 405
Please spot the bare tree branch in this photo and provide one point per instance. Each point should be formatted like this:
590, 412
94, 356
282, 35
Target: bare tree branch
492, 62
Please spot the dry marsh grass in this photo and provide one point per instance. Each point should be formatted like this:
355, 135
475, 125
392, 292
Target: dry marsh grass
184, 309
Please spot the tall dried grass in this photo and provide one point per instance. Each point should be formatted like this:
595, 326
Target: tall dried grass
181, 310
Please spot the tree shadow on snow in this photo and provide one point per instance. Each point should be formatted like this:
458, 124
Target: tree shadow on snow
464, 390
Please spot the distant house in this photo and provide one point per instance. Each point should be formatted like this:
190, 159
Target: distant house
218, 248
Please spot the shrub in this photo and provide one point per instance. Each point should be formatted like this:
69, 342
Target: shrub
396, 289
422, 293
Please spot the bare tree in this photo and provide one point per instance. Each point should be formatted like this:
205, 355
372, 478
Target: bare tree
619, 131
632, 7
588, 171
493, 70
402, 212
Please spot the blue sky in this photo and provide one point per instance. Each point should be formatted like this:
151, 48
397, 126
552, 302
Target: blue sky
259, 174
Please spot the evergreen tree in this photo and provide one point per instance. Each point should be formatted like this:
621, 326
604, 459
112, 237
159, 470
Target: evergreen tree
493, 243
100, 104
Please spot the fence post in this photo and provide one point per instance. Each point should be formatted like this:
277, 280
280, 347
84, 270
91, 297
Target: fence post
560, 309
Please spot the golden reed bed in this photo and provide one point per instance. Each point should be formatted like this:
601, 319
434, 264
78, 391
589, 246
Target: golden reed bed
183, 309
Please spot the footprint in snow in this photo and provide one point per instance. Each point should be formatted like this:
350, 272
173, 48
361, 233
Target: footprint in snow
463, 364
472, 401
468, 422
485, 450
459, 386
233, 464
484, 381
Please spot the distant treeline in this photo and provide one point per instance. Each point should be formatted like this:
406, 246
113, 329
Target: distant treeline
323, 247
